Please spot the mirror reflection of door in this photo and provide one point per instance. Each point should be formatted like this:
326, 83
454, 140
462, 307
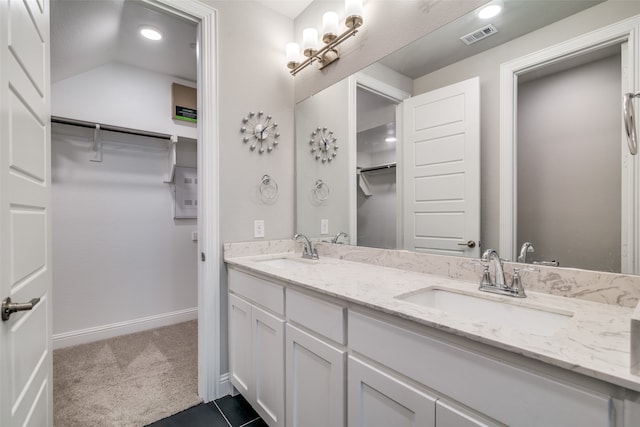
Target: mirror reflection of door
376, 169
569, 152
441, 170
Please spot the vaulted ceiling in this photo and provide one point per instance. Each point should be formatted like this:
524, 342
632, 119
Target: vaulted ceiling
87, 34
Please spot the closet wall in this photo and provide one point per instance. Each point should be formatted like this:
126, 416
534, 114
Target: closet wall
122, 263
377, 200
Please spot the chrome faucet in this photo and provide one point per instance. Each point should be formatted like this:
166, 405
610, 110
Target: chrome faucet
340, 234
488, 256
499, 286
309, 251
527, 247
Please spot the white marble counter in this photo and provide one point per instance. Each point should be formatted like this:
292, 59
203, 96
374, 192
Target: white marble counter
596, 341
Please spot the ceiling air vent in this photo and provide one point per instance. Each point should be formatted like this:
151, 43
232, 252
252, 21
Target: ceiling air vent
479, 34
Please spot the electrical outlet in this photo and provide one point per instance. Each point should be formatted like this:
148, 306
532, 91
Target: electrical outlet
324, 226
258, 228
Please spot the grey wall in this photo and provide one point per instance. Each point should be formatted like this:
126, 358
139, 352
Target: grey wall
487, 67
252, 76
377, 213
569, 151
326, 109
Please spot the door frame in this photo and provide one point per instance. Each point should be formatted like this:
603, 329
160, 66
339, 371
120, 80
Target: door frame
371, 84
211, 384
626, 31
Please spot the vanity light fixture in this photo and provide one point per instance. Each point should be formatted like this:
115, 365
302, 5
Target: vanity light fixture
328, 53
390, 139
150, 33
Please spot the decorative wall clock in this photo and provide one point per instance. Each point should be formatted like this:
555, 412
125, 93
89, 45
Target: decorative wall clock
260, 132
323, 144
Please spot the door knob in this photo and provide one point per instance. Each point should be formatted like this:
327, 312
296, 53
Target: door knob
469, 244
9, 307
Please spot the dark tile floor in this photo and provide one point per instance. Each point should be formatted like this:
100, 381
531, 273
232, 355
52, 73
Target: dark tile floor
225, 412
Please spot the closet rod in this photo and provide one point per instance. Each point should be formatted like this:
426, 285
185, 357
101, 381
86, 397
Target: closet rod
377, 168
111, 128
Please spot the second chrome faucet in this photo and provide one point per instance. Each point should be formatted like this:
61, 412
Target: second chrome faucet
499, 286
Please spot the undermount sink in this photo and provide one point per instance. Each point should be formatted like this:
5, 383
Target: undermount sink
502, 314
285, 262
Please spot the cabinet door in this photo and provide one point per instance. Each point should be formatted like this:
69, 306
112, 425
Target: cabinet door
240, 348
315, 381
377, 399
268, 363
448, 415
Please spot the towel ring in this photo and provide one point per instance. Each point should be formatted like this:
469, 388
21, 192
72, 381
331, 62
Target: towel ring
629, 121
268, 188
321, 190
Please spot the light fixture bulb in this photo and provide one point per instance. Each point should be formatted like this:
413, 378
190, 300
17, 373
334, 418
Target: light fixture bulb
309, 41
489, 11
353, 13
150, 33
293, 55
329, 27
390, 139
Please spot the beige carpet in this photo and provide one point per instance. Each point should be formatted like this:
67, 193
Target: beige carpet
130, 380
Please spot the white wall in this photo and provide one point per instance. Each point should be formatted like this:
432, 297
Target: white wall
119, 256
574, 114
487, 66
121, 95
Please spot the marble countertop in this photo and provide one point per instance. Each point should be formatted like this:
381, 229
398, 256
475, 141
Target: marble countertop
595, 341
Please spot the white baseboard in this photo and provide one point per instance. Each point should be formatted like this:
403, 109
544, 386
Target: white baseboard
83, 336
225, 385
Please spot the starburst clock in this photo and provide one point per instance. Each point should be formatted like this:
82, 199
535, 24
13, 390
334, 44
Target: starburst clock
323, 144
260, 132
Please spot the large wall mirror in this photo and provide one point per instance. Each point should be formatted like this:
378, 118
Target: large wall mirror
568, 187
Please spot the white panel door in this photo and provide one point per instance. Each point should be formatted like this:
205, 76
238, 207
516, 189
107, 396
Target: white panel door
376, 399
25, 220
441, 160
268, 357
315, 381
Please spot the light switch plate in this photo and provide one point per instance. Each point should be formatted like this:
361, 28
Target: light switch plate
258, 228
324, 226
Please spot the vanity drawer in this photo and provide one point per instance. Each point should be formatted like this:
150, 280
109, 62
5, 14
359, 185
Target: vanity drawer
318, 315
502, 391
260, 291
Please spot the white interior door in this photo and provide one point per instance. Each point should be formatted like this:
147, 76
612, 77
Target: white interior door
25, 232
441, 160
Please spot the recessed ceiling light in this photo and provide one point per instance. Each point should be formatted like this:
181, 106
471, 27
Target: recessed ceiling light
150, 33
489, 11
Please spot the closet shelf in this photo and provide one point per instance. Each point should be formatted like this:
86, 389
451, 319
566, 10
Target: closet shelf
111, 128
378, 167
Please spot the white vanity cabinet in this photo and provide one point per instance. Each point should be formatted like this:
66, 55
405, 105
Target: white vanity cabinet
256, 344
315, 361
451, 415
305, 359
510, 393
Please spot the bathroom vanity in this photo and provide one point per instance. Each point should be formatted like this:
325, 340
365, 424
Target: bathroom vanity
370, 337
